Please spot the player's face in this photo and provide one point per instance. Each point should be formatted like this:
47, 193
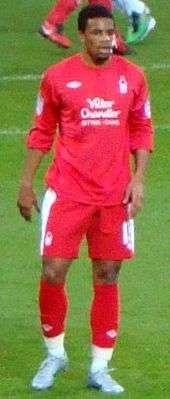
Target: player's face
98, 39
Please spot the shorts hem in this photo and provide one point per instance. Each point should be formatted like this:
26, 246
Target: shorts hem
115, 258
61, 256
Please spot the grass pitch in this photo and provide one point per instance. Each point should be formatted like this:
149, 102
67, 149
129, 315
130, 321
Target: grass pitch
141, 358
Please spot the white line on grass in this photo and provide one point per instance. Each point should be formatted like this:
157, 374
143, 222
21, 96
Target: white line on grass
12, 132
163, 127
162, 66
19, 132
32, 77
12, 78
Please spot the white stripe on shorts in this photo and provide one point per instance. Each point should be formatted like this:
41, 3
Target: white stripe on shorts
48, 201
128, 234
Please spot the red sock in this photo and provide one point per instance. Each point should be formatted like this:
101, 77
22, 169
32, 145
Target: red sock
106, 3
105, 315
53, 308
61, 10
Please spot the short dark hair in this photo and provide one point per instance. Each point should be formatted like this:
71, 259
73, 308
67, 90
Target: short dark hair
89, 12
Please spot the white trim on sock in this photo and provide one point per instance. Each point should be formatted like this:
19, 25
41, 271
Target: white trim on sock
102, 353
100, 358
55, 345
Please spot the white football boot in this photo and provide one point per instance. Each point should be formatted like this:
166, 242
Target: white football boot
47, 371
151, 27
103, 381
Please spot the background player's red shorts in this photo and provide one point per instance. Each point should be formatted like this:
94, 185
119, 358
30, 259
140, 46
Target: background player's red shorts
109, 232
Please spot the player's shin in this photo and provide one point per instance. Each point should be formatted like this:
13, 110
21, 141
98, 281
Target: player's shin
61, 11
104, 324
53, 303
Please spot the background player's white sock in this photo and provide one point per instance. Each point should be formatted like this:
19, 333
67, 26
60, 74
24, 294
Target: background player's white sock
55, 345
130, 6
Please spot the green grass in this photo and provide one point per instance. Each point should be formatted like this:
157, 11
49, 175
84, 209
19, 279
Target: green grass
141, 358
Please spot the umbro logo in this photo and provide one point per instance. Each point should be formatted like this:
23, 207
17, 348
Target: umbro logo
73, 84
111, 333
47, 327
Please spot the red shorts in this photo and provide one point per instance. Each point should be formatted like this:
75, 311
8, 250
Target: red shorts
109, 232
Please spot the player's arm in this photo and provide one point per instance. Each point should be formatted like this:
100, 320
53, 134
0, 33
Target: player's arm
39, 142
134, 193
141, 144
27, 197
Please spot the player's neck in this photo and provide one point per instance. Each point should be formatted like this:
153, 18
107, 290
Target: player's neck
95, 63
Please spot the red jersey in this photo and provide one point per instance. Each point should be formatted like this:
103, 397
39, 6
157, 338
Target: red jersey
102, 115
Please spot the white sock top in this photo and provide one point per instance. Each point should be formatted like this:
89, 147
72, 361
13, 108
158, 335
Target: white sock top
100, 358
55, 345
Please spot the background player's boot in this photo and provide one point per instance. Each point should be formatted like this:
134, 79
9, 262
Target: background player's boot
51, 366
141, 25
55, 34
150, 27
102, 381
52, 28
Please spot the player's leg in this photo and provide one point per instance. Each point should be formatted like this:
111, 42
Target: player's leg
140, 19
53, 305
53, 26
104, 324
53, 301
63, 225
110, 240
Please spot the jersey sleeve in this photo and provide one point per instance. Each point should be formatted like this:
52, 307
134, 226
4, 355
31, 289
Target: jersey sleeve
41, 135
140, 123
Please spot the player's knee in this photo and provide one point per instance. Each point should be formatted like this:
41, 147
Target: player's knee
54, 271
109, 276
51, 276
107, 272
114, 275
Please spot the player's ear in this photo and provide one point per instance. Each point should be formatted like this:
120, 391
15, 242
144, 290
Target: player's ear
82, 37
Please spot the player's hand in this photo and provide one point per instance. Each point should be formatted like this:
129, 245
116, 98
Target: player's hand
134, 194
26, 201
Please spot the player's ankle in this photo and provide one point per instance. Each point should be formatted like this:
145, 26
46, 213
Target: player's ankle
55, 345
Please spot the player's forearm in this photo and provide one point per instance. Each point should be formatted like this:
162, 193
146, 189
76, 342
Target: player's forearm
141, 158
32, 162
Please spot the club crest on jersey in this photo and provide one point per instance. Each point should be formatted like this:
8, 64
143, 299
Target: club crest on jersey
39, 105
48, 239
123, 85
73, 84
